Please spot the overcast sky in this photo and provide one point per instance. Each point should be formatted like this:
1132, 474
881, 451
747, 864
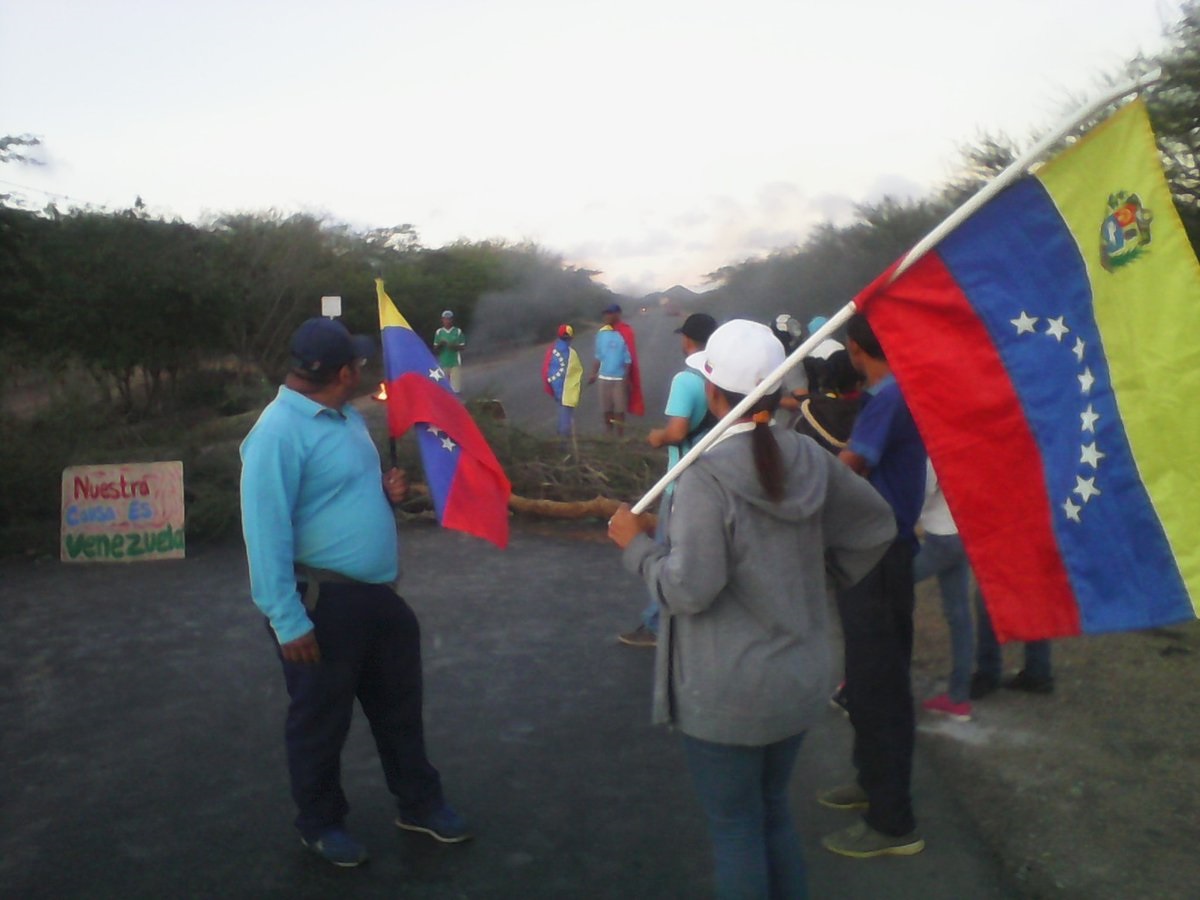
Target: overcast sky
654, 140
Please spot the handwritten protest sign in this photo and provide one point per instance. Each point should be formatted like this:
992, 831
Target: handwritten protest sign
122, 512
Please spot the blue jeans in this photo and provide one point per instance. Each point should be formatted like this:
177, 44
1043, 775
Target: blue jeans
743, 791
651, 614
566, 421
988, 660
943, 555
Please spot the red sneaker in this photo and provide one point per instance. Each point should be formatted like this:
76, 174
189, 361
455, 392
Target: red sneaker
960, 712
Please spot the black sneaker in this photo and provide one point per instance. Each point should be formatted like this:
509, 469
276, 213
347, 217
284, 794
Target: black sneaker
1030, 684
983, 684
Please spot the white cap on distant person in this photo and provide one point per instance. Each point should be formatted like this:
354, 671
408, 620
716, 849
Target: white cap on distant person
739, 356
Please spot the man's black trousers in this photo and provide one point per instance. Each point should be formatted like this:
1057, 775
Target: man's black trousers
370, 643
877, 623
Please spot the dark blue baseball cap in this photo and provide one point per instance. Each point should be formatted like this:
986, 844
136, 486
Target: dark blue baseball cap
612, 308
324, 345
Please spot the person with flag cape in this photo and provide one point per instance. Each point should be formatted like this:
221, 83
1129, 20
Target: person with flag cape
469, 488
562, 378
322, 552
616, 368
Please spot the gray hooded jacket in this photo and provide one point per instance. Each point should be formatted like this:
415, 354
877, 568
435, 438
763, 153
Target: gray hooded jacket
744, 649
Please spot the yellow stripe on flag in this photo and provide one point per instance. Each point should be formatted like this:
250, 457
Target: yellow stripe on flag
1111, 191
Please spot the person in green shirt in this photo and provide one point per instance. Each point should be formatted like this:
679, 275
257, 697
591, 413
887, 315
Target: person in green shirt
448, 342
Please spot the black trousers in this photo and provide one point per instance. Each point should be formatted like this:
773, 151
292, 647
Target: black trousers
877, 622
370, 644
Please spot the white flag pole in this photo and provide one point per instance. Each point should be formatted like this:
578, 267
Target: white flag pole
990, 190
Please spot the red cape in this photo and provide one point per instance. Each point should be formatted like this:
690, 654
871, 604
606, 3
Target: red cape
637, 404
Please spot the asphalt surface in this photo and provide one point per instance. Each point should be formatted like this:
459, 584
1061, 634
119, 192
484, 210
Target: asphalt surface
141, 749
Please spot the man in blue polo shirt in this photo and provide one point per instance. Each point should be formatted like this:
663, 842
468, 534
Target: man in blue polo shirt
321, 545
877, 619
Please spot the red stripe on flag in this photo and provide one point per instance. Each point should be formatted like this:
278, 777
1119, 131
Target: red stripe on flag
974, 427
477, 503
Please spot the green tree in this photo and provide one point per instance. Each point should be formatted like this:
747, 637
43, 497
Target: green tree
1175, 111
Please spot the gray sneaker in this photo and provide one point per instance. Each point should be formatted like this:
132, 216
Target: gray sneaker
861, 841
845, 796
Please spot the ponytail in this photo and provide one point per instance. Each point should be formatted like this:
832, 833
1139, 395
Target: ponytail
768, 462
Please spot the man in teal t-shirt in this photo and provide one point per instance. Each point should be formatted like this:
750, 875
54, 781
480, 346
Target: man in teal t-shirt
448, 342
687, 421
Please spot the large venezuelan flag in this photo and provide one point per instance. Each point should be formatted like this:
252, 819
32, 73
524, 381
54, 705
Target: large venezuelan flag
469, 488
1049, 349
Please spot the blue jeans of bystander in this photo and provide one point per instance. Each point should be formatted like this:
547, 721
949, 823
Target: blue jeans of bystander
651, 614
743, 791
943, 555
988, 659
566, 421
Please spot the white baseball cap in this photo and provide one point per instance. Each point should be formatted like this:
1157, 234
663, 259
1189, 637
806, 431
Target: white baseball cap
738, 356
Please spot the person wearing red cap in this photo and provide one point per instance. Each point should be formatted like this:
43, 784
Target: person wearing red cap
562, 377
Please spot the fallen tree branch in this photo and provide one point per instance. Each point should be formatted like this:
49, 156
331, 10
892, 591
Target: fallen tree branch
597, 508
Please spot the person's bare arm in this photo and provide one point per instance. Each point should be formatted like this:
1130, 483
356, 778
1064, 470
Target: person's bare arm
671, 434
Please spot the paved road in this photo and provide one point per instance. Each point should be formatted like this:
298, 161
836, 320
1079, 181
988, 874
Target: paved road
141, 753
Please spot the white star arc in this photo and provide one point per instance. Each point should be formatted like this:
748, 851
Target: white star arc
1086, 488
1056, 328
1071, 510
1090, 456
1024, 323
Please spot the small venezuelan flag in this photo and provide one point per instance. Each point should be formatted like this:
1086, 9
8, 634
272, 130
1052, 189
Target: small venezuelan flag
1048, 351
469, 488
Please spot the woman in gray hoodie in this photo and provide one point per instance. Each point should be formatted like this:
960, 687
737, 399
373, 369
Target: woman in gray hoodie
744, 664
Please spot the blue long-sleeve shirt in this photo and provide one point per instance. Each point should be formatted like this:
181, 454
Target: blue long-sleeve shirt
312, 493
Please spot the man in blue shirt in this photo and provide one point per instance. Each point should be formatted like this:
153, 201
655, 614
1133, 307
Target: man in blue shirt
322, 550
611, 367
877, 619
688, 420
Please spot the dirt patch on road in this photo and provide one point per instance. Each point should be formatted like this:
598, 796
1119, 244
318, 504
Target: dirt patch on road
1093, 791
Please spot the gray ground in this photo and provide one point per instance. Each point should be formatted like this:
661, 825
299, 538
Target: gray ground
142, 751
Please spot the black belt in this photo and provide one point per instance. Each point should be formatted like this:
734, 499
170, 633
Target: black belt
313, 579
